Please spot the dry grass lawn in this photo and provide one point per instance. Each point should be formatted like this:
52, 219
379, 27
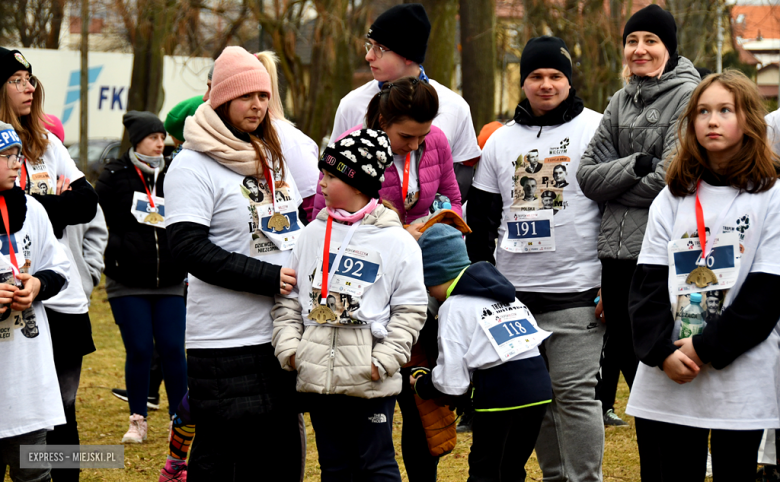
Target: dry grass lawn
103, 420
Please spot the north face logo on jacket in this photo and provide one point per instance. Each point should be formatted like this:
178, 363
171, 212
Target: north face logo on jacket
378, 418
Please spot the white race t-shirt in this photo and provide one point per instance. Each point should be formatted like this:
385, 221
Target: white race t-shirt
301, 155
744, 395
454, 118
30, 398
413, 192
464, 347
387, 262
200, 190
506, 165
42, 179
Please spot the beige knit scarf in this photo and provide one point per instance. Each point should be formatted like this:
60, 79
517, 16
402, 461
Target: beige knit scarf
205, 132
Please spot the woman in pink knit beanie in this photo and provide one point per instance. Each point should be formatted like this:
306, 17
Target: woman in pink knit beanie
221, 196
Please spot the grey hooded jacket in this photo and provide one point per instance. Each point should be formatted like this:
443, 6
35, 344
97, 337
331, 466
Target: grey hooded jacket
640, 119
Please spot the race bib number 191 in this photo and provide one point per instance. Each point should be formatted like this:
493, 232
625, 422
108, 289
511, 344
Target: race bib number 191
529, 232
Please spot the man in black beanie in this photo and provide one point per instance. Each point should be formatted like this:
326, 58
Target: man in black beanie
395, 46
558, 284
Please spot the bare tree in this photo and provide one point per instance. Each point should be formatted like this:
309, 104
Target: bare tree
37, 23
478, 64
440, 56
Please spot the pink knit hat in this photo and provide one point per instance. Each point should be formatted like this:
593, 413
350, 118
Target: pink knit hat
237, 72
53, 125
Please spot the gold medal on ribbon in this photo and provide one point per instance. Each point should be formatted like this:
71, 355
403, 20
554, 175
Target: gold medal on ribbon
701, 277
153, 218
278, 222
322, 314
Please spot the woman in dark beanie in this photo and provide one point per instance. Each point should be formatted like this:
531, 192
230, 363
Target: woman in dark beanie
49, 175
221, 200
623, 170
144, 286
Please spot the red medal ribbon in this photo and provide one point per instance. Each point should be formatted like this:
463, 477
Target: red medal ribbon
326, 261
23, 178
700, 224
140, 174
4, 212
405, 188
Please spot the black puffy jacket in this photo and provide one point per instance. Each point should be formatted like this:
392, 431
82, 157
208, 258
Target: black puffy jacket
137, 254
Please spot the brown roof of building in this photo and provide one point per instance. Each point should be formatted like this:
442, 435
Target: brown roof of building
756, 21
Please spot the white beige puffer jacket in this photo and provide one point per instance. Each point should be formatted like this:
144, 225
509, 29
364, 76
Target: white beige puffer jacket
333, 360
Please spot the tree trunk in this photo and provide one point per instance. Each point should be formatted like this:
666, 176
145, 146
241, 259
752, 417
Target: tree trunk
477, 34
440, 57
152, 29
331, 68
57, 16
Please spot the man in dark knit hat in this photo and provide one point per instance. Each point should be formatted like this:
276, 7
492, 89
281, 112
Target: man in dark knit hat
395, 46
555, 272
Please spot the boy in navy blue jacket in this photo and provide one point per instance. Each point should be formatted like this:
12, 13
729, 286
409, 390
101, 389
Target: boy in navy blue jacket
488, 340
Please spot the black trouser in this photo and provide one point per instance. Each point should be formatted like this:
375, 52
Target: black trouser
502, 443
419, 463
68, 376
354, 438
247, 420
618, 354
677, 453
69, 347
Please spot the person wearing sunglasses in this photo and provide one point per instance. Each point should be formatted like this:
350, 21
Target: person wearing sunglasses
395, 48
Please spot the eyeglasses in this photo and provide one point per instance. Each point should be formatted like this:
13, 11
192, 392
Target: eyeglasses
12, 159
378, 51
21, 84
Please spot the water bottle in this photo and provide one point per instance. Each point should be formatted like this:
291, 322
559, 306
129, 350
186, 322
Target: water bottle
692, 318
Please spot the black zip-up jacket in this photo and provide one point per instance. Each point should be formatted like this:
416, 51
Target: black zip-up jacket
137, 254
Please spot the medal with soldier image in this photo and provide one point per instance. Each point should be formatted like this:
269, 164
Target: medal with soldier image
336, 298
274, 224
709, 261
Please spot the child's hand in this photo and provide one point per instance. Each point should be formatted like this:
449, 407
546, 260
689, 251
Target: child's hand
374, 373
414, 230
6, 296
24, 298
413, 380
680, 368
686, 346
63, 184
287, 281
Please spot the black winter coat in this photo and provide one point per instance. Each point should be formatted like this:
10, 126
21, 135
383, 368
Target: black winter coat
137, 254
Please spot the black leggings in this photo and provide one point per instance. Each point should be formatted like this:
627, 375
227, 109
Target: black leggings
502, 443
678, 453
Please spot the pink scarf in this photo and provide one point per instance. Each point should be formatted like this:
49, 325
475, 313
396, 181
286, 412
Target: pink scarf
348, 217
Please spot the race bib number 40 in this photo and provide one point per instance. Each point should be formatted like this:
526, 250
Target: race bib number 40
723, 261
511, 329
529, 232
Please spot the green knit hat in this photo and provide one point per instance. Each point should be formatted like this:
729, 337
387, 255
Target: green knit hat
174, 121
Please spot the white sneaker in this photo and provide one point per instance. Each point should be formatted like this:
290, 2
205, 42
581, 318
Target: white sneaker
136, 434
709, 464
